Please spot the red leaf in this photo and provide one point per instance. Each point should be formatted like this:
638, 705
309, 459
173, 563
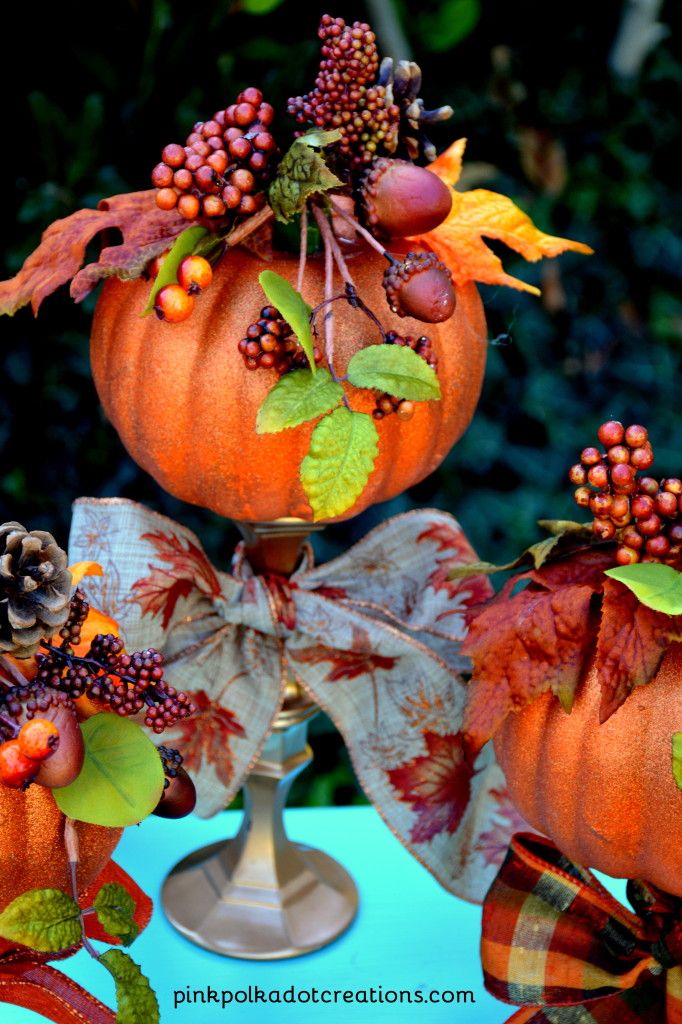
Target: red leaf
586, 567
437, 785
147, 231
631, 644
522, 647
159, 592
206, 735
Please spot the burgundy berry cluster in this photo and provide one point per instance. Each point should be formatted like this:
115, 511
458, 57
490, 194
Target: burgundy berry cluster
643, 515
346, 96
269, 344
224, 164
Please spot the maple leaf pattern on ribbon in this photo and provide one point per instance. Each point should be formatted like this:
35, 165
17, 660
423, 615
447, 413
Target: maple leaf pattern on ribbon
158, 593
494, 842
351, 664
631, 644
471, 590
437, 785
205, 736
521, 647
480, 214
147, 231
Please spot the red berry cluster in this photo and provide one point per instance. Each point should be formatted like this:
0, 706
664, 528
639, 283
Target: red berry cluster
222, 163
175, 302
269, 345
387, 404
642, 515
344, 96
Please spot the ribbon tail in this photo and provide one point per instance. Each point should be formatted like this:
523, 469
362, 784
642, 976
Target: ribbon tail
673, 995
47, 991
112, 872
638, 1006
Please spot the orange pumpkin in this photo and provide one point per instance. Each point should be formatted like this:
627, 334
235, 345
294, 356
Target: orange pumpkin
605, 794
185, 405
32, 851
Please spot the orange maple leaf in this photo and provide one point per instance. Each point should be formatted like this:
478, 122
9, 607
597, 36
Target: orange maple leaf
480, 214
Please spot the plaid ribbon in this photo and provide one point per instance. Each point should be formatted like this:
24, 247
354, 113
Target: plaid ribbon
27, 980
373, 637
557, 943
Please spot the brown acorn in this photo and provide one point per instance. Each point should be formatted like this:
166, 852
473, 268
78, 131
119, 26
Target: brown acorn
420, 286
178, 798
401, 199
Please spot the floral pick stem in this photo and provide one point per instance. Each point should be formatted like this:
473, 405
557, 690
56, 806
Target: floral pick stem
73, 854
360, 230
303, 252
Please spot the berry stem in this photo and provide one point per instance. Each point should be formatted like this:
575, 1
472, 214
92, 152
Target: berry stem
303, 250
370, 239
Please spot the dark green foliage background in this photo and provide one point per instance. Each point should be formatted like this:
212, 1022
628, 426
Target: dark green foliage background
95, 103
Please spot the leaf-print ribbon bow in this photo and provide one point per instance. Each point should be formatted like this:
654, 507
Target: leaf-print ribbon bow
556, 942
372, 637
26, 979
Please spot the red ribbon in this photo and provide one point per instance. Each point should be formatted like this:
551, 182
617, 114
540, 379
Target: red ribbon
27, 980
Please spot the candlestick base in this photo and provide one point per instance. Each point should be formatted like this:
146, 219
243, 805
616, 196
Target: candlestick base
260, 896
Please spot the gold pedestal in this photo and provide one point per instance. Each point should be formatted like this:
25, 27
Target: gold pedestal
260, 896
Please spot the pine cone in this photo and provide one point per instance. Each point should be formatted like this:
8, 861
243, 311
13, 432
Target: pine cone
35, 589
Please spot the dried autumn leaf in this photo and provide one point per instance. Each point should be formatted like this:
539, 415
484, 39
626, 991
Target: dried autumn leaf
535, 641
480, 214
632, 641
586, 567
147, 231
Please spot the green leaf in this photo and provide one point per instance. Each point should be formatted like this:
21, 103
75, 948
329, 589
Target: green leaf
342, 451
292, 307
677, 755
121, 780
302, 173
183, 245
259, 6
296, 398
447, 25
115, 907
44, 919
655, 585
135, 998
395, 369
318, 139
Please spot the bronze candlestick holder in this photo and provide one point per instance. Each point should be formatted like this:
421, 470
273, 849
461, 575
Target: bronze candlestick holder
260, 896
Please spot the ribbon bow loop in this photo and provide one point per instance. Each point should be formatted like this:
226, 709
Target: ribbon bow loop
373, 636
553, 937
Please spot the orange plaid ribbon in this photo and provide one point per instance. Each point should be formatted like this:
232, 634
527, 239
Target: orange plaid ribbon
557, 943
27, 980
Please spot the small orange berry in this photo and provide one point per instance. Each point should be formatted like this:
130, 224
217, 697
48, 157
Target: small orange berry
16, 770
195, 274
173, 304
38, 738
166, 199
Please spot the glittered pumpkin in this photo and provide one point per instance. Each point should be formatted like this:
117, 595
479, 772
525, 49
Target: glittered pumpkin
185, 405
605, 794
32, 851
